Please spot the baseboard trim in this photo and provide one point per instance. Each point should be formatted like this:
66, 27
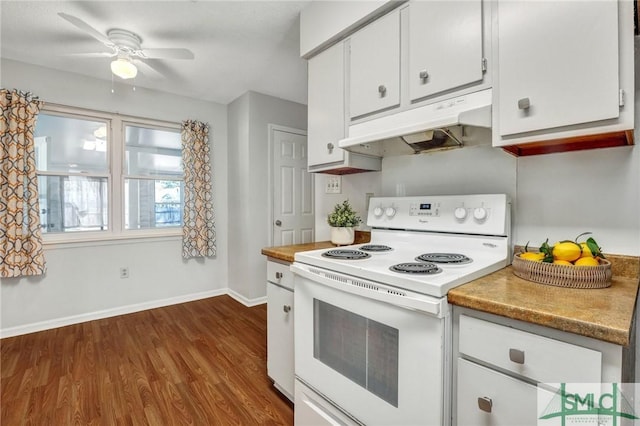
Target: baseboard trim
76, 319
247, 302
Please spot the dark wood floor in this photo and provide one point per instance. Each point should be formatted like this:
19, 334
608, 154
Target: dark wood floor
200, 363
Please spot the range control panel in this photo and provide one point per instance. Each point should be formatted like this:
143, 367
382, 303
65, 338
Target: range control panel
487, 214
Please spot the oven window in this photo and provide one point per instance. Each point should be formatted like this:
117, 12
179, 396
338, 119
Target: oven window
361, 349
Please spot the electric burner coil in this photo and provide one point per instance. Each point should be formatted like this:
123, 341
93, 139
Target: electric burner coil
346, 254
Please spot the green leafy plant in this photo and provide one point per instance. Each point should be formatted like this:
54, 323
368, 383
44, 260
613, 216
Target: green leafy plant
343, 215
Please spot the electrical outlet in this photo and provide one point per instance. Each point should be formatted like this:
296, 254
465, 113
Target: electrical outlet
333, 185
124, 272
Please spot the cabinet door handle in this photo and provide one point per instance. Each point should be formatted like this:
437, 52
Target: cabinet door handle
516, 355
485, 404
278, 275
424, 75
524, 103
286, 308
382, 90
330, 147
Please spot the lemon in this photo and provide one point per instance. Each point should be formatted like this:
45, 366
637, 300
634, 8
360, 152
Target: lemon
586, 251
567, 250
537, 257
562, 262
587, 261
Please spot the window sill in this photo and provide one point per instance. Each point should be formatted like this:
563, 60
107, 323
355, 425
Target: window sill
133, 237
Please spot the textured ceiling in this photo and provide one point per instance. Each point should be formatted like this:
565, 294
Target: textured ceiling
238, 45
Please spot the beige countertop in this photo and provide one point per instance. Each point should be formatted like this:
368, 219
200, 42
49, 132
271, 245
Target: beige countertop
604, 314
287, 253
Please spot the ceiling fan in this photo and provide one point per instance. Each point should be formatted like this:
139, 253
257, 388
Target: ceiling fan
125, 47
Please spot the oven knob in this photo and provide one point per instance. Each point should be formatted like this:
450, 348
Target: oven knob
377, 212
460, 213
480, 214
390, 212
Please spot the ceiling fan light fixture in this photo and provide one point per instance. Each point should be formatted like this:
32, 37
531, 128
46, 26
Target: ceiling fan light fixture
124, 68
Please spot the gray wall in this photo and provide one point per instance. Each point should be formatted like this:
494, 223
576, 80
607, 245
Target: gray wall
82, 280
249, 119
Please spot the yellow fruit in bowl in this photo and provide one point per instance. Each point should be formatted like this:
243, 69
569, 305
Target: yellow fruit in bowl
586, 251
567, 250
529, 255
562, 262
587, 261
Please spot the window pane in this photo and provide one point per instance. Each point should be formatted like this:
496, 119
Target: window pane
153, 203
65, 144
73, 203
152, 151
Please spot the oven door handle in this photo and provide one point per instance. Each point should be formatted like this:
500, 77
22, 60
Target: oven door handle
372, 290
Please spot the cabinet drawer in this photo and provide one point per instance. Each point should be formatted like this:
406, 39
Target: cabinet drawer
486, 397
279, 273
538, 358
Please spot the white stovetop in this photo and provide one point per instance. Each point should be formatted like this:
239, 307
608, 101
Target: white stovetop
489, 254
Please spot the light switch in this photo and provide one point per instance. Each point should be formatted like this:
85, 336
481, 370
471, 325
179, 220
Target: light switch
333, 185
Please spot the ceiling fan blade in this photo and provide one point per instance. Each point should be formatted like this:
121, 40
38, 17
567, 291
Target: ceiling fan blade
92, 55
168, 53
148, 70
79, 23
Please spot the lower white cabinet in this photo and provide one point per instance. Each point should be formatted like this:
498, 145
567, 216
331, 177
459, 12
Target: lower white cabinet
498, 363
487, 397
280, 327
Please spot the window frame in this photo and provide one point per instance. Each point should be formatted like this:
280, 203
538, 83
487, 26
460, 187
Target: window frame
116, 151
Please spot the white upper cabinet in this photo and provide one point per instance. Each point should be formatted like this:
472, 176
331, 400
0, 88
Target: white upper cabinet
445, 46
564, 69
326, 121
326, 116
375, 66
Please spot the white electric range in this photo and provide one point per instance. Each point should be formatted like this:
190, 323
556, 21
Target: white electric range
372, 325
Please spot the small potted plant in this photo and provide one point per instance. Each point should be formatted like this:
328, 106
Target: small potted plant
343, 220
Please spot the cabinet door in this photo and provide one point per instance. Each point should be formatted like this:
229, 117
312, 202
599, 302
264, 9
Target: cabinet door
374, 82
486, 397
557, 63
445, 46
280, 338
326, 120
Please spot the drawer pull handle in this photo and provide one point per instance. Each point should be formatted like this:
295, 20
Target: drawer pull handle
524, 104
286, 309
278, 275
516, 355
485, 404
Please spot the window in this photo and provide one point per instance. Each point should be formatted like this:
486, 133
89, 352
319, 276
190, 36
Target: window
101, 176
153, 184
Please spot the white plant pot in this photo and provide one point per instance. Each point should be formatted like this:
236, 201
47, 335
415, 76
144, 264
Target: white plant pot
342, 236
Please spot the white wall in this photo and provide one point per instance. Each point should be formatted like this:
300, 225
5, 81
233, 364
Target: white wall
249, 185
354, 188
82, 280
555, 196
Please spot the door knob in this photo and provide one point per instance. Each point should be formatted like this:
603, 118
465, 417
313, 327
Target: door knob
424, 75
278, 222
286, 309
382, 90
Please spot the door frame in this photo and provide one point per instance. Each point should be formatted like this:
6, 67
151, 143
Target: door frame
271, 129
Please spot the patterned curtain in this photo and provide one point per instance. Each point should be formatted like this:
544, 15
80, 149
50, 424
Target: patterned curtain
21, 250
198, 232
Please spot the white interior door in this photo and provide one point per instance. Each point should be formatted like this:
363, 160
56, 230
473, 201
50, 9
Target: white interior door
293, 200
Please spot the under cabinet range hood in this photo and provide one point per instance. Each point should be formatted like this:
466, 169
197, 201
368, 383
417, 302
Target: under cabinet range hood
441, 125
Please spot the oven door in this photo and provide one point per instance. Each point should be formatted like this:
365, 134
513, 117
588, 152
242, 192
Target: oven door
377, 355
